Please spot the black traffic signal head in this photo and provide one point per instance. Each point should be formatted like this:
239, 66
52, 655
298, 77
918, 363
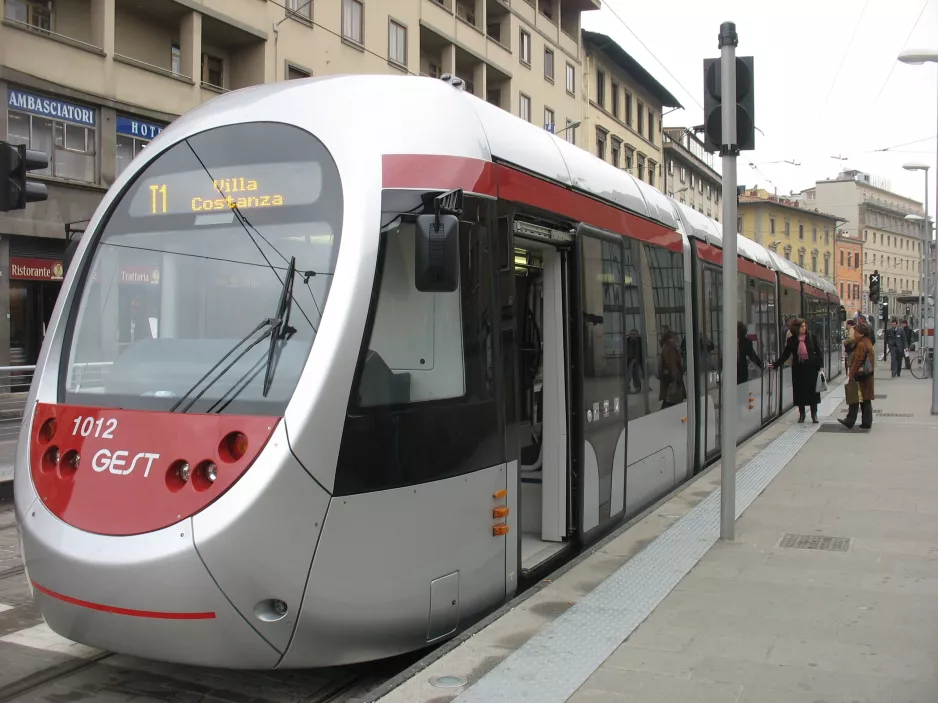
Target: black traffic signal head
15, 162
745, 105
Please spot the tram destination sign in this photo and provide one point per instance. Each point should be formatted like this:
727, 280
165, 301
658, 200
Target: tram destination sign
246, 187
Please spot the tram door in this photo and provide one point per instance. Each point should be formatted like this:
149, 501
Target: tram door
599, 398
712, 317
534, 293
768, 338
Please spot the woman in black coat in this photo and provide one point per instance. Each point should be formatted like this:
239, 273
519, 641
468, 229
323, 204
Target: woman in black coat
806, 363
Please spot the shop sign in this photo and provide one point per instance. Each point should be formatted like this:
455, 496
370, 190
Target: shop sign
140, 275
140, 129
27, 269
50, 107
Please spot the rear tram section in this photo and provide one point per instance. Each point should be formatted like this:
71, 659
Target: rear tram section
431, 425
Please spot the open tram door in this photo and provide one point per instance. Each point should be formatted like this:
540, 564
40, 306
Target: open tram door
598, 380
534, 291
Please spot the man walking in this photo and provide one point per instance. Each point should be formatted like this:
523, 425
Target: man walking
895, 343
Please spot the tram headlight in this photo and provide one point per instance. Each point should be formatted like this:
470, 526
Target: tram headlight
210, 472
184, 471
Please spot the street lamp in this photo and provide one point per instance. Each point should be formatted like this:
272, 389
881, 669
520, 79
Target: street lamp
920, 56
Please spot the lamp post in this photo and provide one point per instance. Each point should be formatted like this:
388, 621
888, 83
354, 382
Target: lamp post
920, 56
927, 238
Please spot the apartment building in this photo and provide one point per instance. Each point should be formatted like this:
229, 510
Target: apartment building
848, 272
800, 234
876, 217
690, 174
623, 108
91, 82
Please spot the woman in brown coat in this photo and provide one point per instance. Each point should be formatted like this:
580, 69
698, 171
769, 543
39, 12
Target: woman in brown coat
860, 373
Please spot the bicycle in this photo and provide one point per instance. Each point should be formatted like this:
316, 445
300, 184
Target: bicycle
922, 364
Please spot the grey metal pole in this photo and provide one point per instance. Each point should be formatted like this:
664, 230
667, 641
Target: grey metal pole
934, 375
728, 41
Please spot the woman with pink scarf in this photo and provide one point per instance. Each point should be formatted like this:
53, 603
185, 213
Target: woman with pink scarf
806, 363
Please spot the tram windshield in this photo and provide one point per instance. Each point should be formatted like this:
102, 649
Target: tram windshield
192, 259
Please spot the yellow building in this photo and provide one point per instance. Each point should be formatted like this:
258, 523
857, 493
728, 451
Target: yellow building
804, 236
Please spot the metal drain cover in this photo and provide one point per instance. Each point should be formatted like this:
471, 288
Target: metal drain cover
897, 415
817, 542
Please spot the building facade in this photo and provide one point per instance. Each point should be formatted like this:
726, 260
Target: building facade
690, 175
805, 236
90, 82
892, 245
622, 109
848, 272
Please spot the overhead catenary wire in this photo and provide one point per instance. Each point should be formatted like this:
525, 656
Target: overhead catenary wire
615, 14
843, 60
892, 65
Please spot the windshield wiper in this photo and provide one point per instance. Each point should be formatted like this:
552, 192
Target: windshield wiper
276, 327
283, 330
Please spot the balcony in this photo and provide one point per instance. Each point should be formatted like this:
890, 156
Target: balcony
63, 36
498, 88
231, 58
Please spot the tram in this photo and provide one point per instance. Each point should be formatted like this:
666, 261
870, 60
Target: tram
338, 361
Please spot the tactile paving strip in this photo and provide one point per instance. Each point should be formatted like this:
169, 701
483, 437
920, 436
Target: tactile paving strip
553, 664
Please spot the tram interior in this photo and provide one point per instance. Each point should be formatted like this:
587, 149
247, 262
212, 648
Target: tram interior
543, 448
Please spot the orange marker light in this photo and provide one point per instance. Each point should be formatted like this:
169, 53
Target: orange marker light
47, 431
500, 512
500, 529
500, 493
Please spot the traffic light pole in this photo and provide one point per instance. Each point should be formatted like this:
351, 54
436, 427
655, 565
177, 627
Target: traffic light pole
728, 151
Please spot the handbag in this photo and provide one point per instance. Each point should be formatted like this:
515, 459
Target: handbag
866, 368
821, 385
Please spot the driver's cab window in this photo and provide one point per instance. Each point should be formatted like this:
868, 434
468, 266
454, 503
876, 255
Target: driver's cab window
429, 346
416, 339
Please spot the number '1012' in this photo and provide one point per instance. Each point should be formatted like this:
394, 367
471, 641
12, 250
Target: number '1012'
86, 425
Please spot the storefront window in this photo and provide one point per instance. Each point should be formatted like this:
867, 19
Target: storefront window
65, 131
132, 136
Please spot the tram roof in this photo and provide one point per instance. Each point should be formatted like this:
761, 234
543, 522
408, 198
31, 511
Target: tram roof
464, 126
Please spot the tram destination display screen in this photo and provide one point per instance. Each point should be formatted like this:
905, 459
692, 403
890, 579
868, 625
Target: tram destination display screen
265, 187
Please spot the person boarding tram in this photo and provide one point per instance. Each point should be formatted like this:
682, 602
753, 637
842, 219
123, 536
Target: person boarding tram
806, 363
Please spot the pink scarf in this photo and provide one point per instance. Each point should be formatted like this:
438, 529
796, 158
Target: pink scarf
802, 348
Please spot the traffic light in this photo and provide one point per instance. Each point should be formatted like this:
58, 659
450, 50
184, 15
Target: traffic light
15, 162
745, 105
874, 286
885, 307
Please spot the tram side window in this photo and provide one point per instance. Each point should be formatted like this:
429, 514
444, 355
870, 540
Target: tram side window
635, 355
662, 273
746, 310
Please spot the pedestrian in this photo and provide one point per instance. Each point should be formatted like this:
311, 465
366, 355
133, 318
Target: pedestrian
895, 343
859, 391
806, 363
908, 343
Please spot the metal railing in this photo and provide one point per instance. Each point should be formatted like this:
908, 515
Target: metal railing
14, 388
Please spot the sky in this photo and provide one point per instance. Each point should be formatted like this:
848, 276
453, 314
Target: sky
827, 82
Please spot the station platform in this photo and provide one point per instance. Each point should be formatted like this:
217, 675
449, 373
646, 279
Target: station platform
828, 593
